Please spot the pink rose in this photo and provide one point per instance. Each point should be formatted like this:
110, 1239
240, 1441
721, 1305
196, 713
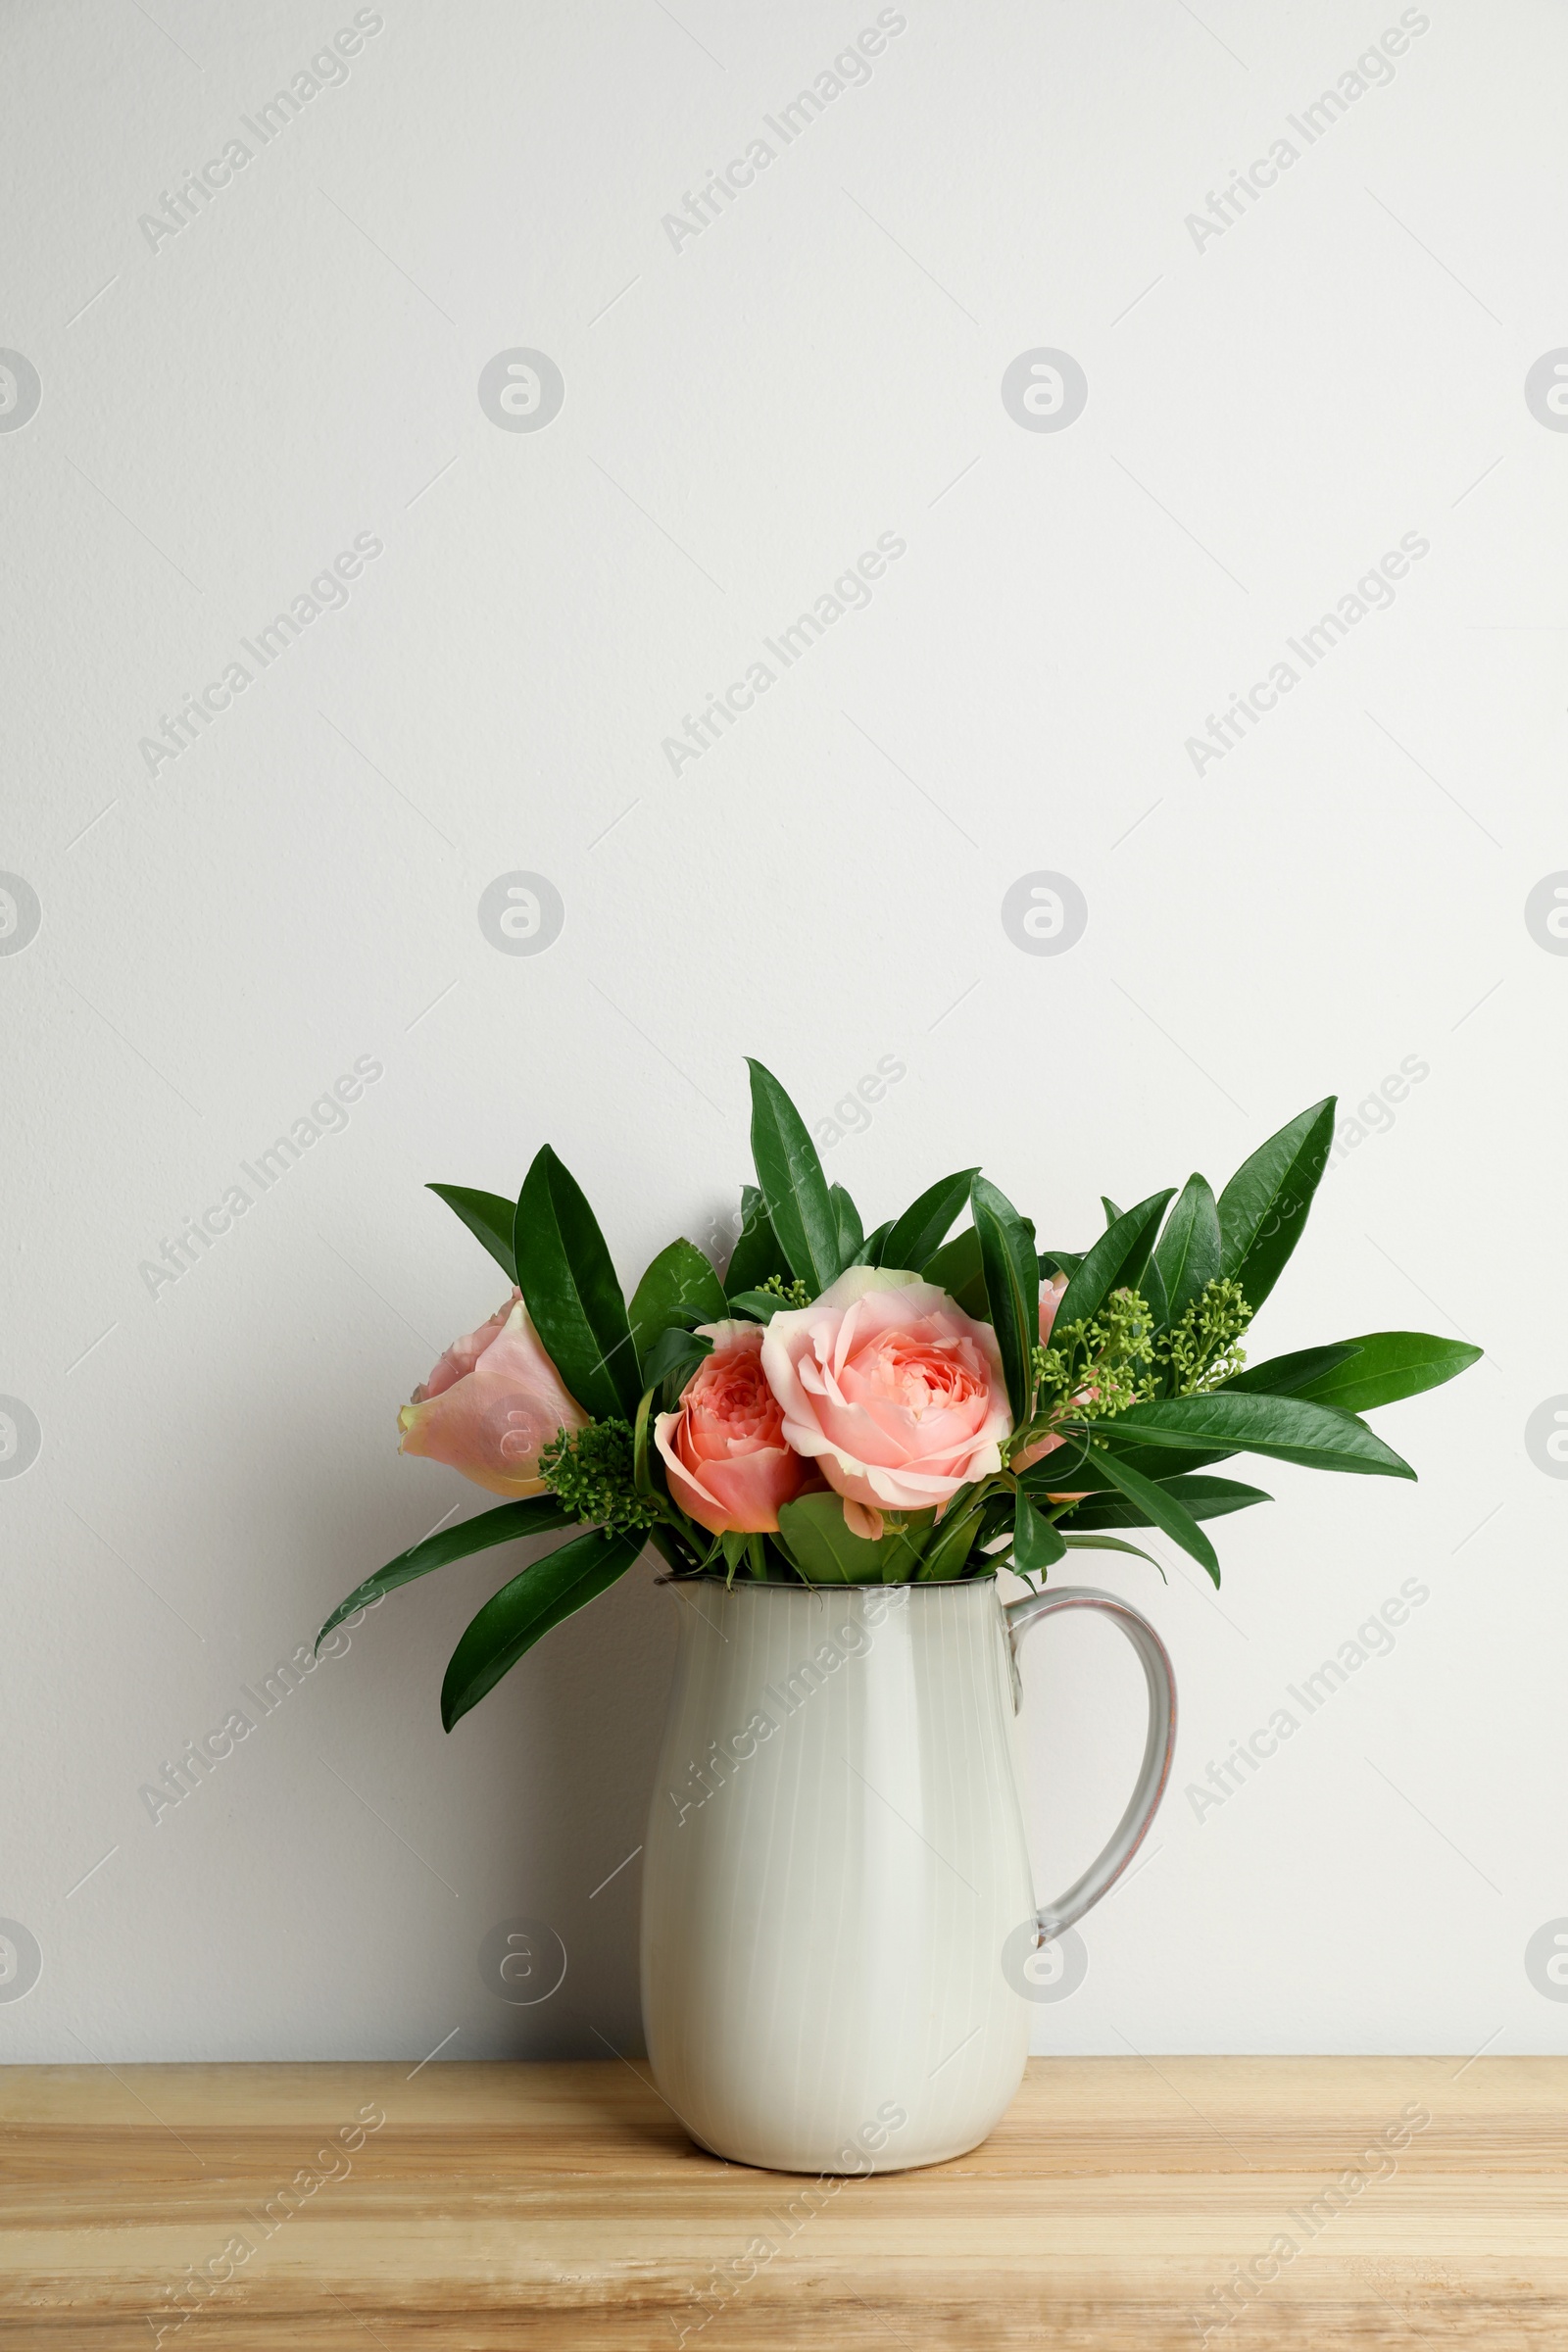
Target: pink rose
1051, 1297
492, 1404
725, 1451
891, 1387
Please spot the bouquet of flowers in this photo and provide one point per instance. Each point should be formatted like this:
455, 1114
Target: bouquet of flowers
851, 1407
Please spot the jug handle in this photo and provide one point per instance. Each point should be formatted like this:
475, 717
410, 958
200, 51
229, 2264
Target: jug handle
1158, 1748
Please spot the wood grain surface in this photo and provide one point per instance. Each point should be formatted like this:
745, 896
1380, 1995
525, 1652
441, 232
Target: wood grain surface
505, 2206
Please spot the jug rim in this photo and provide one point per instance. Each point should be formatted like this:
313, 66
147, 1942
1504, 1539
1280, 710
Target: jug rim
750, 1584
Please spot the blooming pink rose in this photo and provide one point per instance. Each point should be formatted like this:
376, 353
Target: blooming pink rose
725, 1451
492, 1404
891, 1387
1051, 1297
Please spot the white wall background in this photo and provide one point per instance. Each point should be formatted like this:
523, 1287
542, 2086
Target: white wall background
223, 408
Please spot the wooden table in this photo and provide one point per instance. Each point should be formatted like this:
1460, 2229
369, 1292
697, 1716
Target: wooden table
481, 2207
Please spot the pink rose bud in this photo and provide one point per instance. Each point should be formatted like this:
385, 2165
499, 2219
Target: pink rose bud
493, 1403
894, 1391
724, 1452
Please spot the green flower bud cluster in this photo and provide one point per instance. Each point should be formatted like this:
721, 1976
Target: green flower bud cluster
591, 1472
1203, 1347
793, 1294
1102, 1366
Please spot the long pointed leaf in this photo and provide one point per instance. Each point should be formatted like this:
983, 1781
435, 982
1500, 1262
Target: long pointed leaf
761, 1306
1036, 1545
1067, 1466
1287, 1375
1115, 1261
956, 1269
513, 1619
822, 1548
679, 1288
569, 1282
1074, 1543
1156, 1461
1160, 1509
794, 1187
925, 1224
1263, 1210
488, 1218
756, 1254
947, 1550
1293, 1429
847, 1218
1199, 1497
674, 1356
1387, 1365
642, 1471
1070, 1469
1151, 1284
1189, 1252
1012, 1287
509, 1523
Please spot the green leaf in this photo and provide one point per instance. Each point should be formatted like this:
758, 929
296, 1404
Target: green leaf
679, 1288
1189, 1251
995, 1507
1012, 1289
799, 1203
642, 1431
1075, 1543
1287, 1375
1160, 1509
1151, 1284
947, 1554
847, 1218
1112, 1212
761, 1306
956, 1269
1386, 1365
756, 1254
902, 1547
674, 1356
822, 1547
869, 1254
513, 1619
487, 1216
673, 1549
569, 1282
1293, 1429
1199, 1497
1155, 1461
735, 1544
925, 1224
1115, 1263
1070, 1469
534, 1515
1263, 1210
1067, 1466
1036, 1545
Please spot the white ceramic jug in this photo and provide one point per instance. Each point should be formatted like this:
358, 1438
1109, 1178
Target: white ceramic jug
837, 1906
